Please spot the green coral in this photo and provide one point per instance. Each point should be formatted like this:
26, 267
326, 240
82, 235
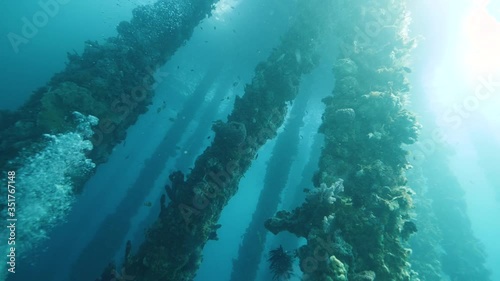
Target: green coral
365, 125
339, 269
57, 105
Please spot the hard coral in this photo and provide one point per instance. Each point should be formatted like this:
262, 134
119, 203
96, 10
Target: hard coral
58, 103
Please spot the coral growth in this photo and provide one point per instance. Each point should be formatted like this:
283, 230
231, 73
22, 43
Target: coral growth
361, 232
281, 264
326, 194
231, 134
214, 179
58, 103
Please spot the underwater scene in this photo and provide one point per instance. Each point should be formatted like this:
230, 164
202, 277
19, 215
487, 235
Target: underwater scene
250, 140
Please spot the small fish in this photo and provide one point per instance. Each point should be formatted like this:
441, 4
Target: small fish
171, 119
236, 84
256, 156
148, 204
407, 69
208, 137
215, 27
158, 110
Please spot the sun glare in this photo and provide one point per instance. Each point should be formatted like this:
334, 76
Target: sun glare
481, 35
224, 7
466, 81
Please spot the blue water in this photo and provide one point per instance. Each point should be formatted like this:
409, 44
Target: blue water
231, 44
